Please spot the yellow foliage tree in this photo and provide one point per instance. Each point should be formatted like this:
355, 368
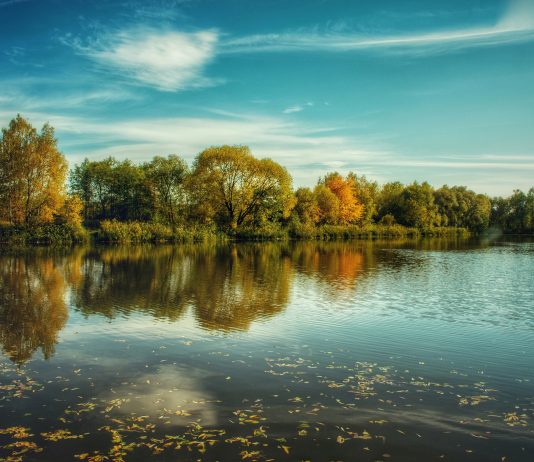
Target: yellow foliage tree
71, 212
32, 174
350, 210
237, 186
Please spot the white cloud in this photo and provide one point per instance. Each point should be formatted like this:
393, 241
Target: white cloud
303, 149
297, 108
515, 25
167, 60
292, 109
519, 15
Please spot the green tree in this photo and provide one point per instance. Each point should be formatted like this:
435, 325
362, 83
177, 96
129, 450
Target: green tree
32, 174
112, 189
167, 178
389, 200
418, 208
237, 187
461, 207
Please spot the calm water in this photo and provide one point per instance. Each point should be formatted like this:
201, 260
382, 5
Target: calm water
395, 351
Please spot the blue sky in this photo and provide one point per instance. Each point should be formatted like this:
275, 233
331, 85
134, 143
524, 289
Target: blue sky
397, 90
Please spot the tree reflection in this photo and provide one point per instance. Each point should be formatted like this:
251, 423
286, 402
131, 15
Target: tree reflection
222, 287
32, 306
336, 266
227, 287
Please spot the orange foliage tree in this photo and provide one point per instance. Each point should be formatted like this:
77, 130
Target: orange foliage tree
349, 210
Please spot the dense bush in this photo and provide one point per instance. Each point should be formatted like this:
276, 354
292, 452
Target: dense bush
141, 232
46, 234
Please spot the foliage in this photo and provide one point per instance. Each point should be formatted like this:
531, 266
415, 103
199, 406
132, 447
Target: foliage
141, 232
32, 174
228, 190
166, 178
306, 209
71, 212
50, 233
350, 210
366, 193
459, 206
237, 188
514, 214
112, 189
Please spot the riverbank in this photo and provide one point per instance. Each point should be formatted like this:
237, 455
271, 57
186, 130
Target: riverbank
111, 231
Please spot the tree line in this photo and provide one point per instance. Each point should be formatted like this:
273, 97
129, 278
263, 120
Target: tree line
226, 187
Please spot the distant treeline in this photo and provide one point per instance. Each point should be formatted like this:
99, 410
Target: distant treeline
229, 191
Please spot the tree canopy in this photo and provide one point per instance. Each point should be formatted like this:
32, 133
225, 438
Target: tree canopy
237, 187
32, 174
227, 188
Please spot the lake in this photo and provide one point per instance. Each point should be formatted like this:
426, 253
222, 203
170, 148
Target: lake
356, 351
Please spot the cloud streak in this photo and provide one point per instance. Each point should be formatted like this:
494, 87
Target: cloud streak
516, 25
171, 61
168, 60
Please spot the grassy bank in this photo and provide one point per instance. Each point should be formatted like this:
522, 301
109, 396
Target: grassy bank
140, 232
49, 234
347, 232
112, 231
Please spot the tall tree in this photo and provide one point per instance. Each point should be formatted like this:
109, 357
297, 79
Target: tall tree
167, 178
32, 174
238, 187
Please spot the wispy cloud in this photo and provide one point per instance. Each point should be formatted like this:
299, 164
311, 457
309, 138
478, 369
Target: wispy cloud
297, 108
167, 60
306, 150
292, 109
298, 146
515, 25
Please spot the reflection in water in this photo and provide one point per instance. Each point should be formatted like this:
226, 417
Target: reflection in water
403, 350
32, 306
226, 287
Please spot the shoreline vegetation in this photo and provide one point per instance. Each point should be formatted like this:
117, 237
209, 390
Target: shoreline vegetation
226, 194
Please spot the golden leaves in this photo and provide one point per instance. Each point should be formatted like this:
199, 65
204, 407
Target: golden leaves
59, 435
16, 432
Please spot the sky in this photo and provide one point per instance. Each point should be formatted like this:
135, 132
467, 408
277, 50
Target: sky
409, 90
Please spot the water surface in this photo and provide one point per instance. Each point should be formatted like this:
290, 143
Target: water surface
397, 351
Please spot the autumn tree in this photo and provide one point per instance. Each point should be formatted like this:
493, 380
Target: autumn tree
237, 187
32, 174
366, 193
328, 205
350, 209
306, 207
